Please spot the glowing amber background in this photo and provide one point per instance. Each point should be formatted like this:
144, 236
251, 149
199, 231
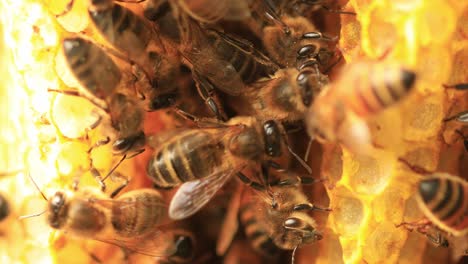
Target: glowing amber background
41, 133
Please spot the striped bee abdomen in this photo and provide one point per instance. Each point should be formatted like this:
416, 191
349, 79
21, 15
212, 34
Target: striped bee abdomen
256, 232
446, 200
146, 211
375, 87
121, 27
92, 67
190, 156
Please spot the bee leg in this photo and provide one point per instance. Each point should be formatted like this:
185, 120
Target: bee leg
119, 188
255, 185
273, 15
438, 240
461, 117
458, 86
78, 94
301, 161
98, 178
207, 91
95, 258
93, 170
201, 122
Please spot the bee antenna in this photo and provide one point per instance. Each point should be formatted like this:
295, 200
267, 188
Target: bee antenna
114, 168
293, 255
303, 163
37, 187
309, 145
31, 215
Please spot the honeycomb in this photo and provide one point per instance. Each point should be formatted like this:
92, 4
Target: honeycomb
42, 134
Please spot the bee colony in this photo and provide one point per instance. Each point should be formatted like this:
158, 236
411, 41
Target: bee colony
192, 131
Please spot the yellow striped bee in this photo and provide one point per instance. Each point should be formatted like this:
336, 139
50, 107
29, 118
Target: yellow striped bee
100, 79
273, 218
203, 159
443, 198
129, 221
363, 89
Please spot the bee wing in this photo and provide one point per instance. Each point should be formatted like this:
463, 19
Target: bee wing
155, 244
230, 223
123, 204
193, 195
248, 48
238, 10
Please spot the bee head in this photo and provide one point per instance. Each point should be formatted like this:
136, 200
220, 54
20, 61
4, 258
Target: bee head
57, 210
301, 230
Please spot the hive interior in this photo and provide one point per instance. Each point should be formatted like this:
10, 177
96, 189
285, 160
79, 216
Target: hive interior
40, 133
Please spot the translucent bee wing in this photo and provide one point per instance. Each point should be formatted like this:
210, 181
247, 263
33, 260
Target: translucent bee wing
230, 223
123, 204
248, 48
238, 10
155, 244
193, 195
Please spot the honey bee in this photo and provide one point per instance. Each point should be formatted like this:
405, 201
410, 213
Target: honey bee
285, 96
4, 207
203, 159
275, 218
338, 112
303, 43
442, 199
226, 62
129, 221
126, 31
241, 252
100, 77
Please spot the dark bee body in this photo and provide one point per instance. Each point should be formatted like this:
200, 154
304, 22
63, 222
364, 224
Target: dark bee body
443, 199
100, 78
243, 61
4, 207
198, 153
188, 156
121, 27
90, 215
256, 232
91, 66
